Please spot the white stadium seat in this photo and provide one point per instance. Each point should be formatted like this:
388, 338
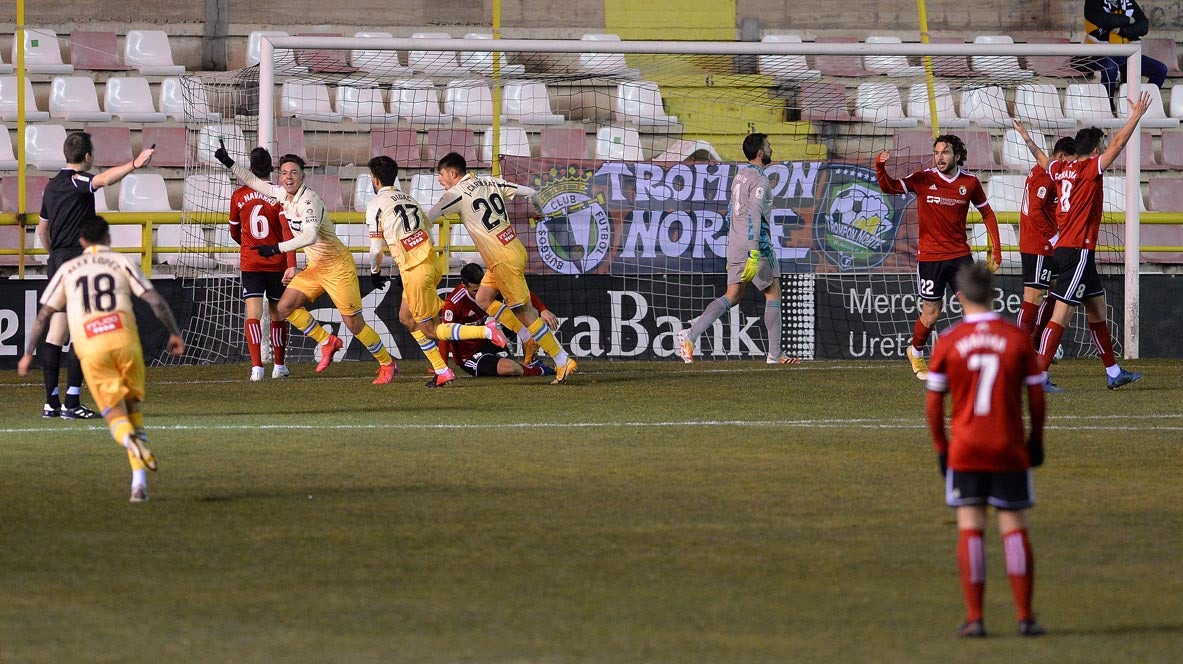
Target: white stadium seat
7, 156
1115, 197
1015, 155
417, 101
470, 101
43, 54
307, 100
434, 63
513, 143
150, 52
880, 103
74, 98
174, 104
1005, 192
1089, 104
378, 63
8, 104
890, 65
1038, 104
208, 140
609, 64
528, 103
285, 58
130, 100
786, 67
143, 192
426, 190
640, 102
618, 144
985, 106
364, 105
946, 113
997, 66
45, 146
1155, 116
481, 62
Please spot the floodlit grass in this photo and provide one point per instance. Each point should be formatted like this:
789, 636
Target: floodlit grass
645, 512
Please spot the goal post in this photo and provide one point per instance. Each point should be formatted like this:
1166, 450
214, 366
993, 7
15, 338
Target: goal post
636, 235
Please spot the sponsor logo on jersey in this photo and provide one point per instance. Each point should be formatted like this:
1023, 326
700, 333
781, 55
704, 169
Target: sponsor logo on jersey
576, 233
506, 236
108, 323
414, 239
855, 223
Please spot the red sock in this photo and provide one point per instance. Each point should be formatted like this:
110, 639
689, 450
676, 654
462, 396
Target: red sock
1049, 343
1027, 315
279, 340
920, 333
254, 336
1104, 342
1045, 314
1020, 569
532, 369
971, 563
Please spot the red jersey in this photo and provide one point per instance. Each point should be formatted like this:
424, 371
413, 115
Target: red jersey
1081, 199
460, 307
261, 217
985, 362
942, 205
1037, 219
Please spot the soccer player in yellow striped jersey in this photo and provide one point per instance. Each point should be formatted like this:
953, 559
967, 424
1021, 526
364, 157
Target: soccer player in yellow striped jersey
330, 267
95, 290
396, 221
480, 202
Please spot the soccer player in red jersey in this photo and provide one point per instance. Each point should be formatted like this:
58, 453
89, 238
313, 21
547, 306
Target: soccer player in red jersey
943, 193
984, 362
479, 357
1078, 216
1037, 230
262, 277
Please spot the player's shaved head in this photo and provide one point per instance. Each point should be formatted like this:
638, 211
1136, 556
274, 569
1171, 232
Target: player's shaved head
385, 169
975, 283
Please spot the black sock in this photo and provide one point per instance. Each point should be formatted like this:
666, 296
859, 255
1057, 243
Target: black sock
51, 365
73, 379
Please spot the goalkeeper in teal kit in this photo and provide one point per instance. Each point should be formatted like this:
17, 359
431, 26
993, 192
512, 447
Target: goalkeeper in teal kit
750, 257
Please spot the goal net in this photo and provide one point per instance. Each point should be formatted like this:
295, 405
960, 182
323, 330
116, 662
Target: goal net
632, 147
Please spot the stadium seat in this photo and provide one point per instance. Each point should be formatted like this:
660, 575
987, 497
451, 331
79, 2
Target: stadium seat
911, 150
285, 58
1038, 105
1155, 116
130, 100
563, 143
604, 64
880, 103
640, 102
985, 106
112, 145
363, 192
307, 100
172, 147
207, 193
5, 67
442, 141
323, 60
618, 144
889, 65
918, 107
8, 107
1176, 102
980, 147
1005, 192
1148, 161
74, 98
143, 192
1115, 196
513, 143
34, 189
289, 139
1163, 235
100, 201
417, 101
426, 190
461, 238
1089, 104
470, 101
8, 160
1172, 148
528, 103
45, 146
689, 150
786, 67
150, 52
329, 188
378, 63
1166, 195
400, 144
43, 54
1015, 155
363, 105
824, 102
840, 65
950, 65
434, 63
95, 51
481, 62
996, 67
128, 236
1163, 49
209, 138
174, 104
1053, 66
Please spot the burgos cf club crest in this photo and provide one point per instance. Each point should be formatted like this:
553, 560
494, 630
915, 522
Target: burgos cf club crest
855, 223
575, 234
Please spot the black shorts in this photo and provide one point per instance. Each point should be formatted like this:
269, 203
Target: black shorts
484, 361
59, 256
1006, 491
260, 284
933, 276
1038, 271
1076, 276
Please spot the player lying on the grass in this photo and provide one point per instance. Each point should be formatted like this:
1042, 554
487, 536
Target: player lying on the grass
481, 358
750, 257
1081, 196
396, 221
262, 277
480, 202
984, 362
330, 267
95, 291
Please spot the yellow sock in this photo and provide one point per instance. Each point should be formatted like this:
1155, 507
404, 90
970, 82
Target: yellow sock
545, 338
505, 316
373, 343
304, 322
456, 332
121, 428
137, 420
431, 349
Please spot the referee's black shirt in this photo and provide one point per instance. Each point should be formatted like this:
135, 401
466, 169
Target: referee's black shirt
68, 200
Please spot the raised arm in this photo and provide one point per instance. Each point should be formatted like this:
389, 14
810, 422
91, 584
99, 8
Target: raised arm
1040, 158
888, 184
117, 173
1117, 144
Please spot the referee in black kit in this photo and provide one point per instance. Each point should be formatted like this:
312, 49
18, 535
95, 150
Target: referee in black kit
68, 199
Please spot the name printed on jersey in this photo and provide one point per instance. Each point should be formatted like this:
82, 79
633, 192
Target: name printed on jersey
979, 341
253, 195
108, 323
506, 236
414, 239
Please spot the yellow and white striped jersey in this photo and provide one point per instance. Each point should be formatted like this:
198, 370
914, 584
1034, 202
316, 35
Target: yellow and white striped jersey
397, 220
480, 202
95, 291
312, 230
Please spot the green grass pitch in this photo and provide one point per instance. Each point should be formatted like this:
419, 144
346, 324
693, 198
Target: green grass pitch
644, 512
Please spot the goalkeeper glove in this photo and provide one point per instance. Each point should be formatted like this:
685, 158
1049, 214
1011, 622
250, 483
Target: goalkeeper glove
750, 266
221, 155
266, 250
378, 281
1035, 452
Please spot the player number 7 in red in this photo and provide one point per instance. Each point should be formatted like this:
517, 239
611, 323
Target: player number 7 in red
986, 364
